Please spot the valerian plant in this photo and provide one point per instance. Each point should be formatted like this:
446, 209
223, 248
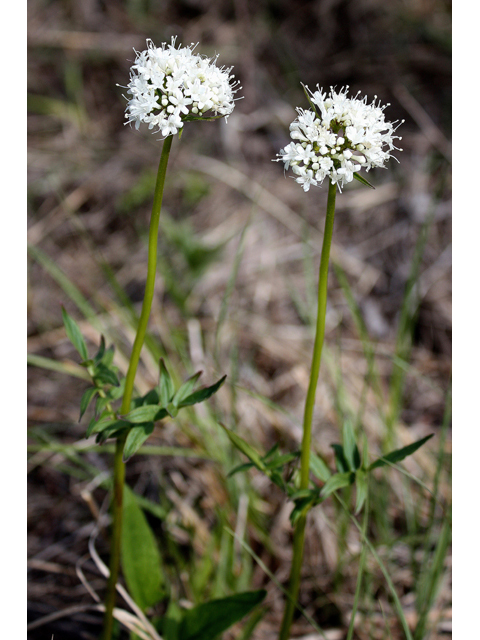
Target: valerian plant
168, 87
334, 140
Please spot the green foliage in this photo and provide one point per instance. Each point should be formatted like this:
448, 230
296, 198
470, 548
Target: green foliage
141, 560
146, 410
350, 449
272, 464
399, 454
74, 334
361, 482
206, 621
136, 437
337, 481
319, 468
87, 397
362, 180
348, 460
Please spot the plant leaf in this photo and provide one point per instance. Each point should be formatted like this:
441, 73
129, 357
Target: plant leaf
208, 620
340, 461
202, 394
136, 437
148, 413
350, 449
186, 389
312, 106
166, 388
100, 352
361, 179
245, 448
361, 483
301, 504
114, 393
106, 375
337, 481
170, 623
86, 399
74, 335
319, 468
141, 561
399, 454
271, 452
281, 460
97, 424
112, 431
239, 468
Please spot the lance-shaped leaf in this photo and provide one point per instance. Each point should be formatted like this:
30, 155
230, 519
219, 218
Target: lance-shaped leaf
186, 389
312, 106
105, 422
340, 460
136, 437
165, 387
114, 393
281, 460
147, 413
74, 335
337, 481
271, 452
350, 449
241, 467
141, 560
245, 448
319, 468
361, 483
113, 431
107, 357
399, 454
101, 351
361, 179
97, 423
87, 397
202, 394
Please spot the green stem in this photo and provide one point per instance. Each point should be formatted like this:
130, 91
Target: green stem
299, 534
119, 465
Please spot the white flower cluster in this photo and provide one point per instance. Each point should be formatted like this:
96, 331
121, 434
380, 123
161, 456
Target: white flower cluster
170, 86
337, 138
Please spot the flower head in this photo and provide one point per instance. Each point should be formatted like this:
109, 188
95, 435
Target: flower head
170, 86
336, 138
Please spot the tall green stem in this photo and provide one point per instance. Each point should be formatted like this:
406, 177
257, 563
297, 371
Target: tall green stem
299, 533
119, 465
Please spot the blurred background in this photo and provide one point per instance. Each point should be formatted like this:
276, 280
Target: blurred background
236, 291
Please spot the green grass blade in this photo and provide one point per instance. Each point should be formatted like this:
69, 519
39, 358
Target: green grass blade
68, 368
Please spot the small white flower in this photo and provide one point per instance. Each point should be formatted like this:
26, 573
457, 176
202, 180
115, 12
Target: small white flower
337, 138
170, 85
